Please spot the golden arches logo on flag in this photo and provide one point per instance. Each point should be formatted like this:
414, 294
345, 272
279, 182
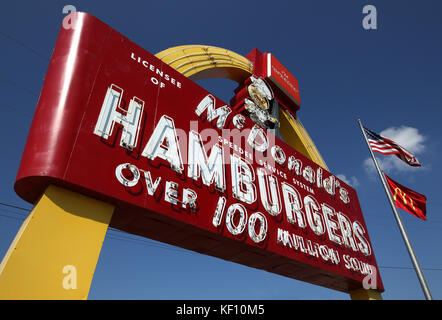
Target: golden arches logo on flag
407, 199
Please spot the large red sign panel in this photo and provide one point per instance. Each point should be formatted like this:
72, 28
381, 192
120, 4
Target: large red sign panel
182, 167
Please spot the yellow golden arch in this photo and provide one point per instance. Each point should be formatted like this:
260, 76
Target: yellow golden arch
203, 62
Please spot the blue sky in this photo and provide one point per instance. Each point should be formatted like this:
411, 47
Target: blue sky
390, 78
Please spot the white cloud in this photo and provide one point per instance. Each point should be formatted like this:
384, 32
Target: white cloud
407, 137
352, 181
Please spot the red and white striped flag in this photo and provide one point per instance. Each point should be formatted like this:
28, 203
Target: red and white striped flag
386, 146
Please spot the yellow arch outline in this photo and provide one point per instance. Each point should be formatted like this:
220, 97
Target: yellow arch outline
207, 62
204, 62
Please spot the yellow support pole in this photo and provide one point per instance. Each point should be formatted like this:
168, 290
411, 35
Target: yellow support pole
294, 134
362, 294
54, 254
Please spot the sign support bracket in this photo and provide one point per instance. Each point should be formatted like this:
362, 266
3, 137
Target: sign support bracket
55, 252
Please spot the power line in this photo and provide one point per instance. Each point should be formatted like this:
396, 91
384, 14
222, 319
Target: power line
11, 108
409, 268
22, 215
33, 51
23, 45
14, 218
124, 237
15, 206
20, 86
148, 244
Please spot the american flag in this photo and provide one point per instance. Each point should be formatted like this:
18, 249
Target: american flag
383, 145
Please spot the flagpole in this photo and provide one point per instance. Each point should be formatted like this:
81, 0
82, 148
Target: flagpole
417, 268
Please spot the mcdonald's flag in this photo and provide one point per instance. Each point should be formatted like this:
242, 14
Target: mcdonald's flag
407, 199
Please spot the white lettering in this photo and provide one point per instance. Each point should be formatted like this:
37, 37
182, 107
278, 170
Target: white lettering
170, 151
111, 113
261, 235
313, 216
242, 180
212, 169
208, 103
268, 185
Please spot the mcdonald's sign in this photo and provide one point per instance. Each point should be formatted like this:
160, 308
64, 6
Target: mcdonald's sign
116, 123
